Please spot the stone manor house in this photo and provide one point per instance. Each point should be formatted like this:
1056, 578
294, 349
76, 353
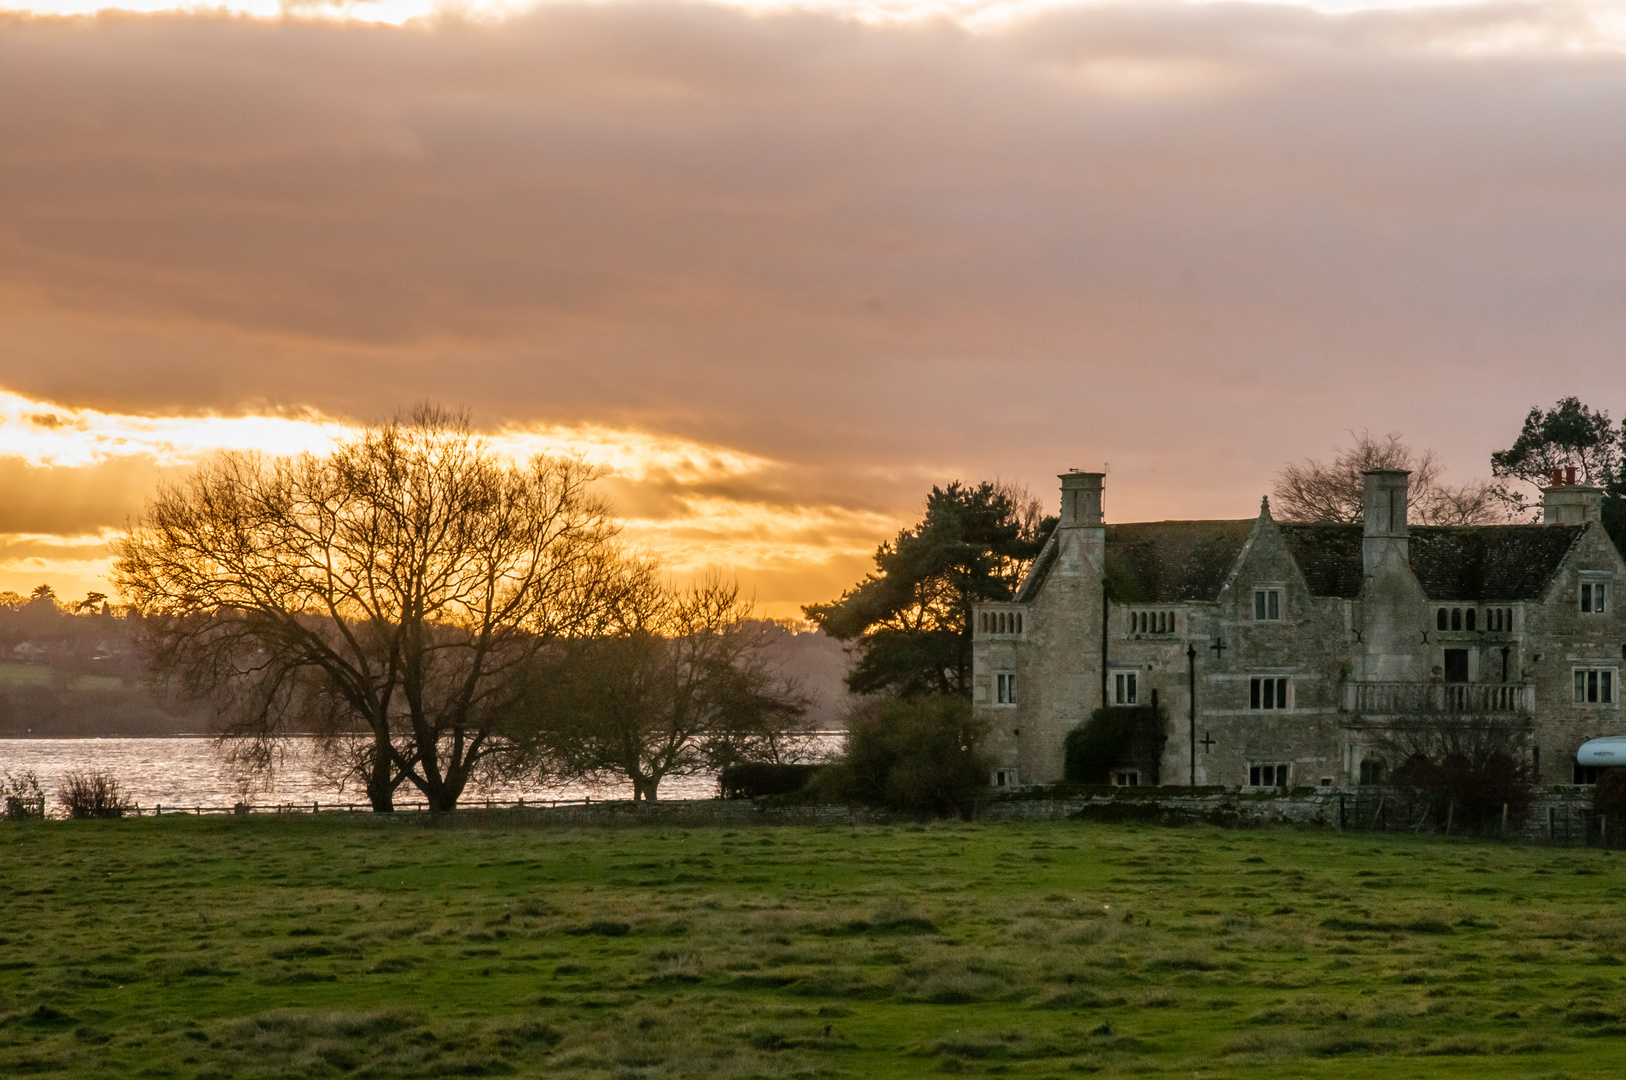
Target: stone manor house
1279, 653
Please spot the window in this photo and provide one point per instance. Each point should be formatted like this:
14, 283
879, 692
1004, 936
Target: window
1006, 688
1469, 617
1456, 665
1123, 688
1371, 771
1267, 775
999, 778
1595, 686
1456, 618
1002, 622
1126, 778
1593, 597
1442, 620
1267, 604
1267, 693
1151, 622
1586, 774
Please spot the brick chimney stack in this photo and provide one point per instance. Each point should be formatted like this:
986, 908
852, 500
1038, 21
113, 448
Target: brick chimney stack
1564, 502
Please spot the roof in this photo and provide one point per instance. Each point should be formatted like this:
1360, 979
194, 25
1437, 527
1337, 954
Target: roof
1174, 561
1490, 562
1452, 562
1159, 562
1329, 557
1164, 562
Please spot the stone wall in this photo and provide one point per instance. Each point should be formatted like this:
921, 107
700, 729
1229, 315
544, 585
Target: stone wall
1560, 815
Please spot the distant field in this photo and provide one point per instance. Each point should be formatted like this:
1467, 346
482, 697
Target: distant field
14, 675
313, 947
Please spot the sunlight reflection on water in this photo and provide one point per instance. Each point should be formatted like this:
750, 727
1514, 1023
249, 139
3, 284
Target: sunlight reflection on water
185, 772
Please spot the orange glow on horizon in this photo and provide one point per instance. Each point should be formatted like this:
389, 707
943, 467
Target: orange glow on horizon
691, 529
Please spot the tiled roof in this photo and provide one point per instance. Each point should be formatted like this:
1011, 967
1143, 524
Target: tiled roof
1162, 562
1329, 556
1174, 561
1452, 562
1489, 562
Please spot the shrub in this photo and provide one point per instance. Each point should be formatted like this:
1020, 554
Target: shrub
1609, 796
917, 753
93, 793
751, 779
1113, 736
1469, 790
22, 795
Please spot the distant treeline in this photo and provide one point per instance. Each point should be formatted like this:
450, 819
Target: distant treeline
73, 668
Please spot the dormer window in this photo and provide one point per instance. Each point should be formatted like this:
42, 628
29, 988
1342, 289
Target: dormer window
1267, 605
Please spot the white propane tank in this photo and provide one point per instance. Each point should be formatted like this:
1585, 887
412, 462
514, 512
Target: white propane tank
1609, 750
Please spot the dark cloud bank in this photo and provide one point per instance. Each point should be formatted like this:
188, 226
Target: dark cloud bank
1193, 241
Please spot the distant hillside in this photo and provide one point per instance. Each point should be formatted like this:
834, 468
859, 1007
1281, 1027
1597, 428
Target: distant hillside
40, 701
67, 673
819, 663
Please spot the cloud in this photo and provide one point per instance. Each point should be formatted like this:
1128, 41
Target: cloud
74, 476
835, 260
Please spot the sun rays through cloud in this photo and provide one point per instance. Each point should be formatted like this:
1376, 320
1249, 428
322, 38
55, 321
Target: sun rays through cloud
693, 505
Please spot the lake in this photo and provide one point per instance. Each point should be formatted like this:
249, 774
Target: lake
188, 772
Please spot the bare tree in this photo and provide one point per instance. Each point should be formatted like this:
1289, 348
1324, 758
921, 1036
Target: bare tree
1332, 491
682, 686
1470, 766
386, 597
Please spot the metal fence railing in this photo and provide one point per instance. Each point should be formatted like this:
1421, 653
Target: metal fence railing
318, 807
1561, 821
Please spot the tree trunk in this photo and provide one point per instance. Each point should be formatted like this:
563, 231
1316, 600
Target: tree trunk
442, 792
380, 792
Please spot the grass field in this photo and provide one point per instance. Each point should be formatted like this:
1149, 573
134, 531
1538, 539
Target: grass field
14, 675
361, 947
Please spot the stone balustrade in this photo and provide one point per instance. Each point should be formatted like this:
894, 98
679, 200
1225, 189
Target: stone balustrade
1466, 699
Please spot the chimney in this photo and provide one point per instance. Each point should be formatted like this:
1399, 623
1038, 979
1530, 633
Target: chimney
1383, 505
1570, 503
1081, 499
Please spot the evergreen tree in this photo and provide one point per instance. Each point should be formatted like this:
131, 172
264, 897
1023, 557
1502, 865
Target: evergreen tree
1571, 435
911, 618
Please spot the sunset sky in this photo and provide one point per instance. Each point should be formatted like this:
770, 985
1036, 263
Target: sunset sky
780, 267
